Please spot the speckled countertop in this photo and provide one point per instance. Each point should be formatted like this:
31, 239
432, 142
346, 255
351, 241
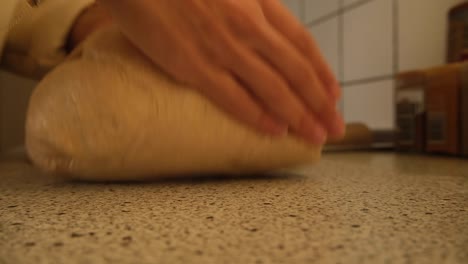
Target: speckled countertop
351, 208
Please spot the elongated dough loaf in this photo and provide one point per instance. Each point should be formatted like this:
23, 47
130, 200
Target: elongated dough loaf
109, 114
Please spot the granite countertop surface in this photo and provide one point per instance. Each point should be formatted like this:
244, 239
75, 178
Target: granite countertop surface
349, 208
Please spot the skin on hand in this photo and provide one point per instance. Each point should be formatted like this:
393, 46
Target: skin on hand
92, 18
250, 57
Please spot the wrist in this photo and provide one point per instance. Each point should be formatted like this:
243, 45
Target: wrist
86, 23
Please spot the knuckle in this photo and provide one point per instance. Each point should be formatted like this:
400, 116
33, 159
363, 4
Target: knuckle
286, 106
298, 118
303, 39
323, 108
300, 80
234, 6
225, 50
274, 90
207, 25
275, 98
301, 34
240, 19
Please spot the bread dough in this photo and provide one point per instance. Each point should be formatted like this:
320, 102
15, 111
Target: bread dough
109, 114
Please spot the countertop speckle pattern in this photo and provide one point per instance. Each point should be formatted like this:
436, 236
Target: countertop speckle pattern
350, 208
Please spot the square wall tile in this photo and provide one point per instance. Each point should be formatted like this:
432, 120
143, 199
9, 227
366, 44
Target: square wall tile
326, 36
371, 104
368, 41
422, 32
295, 7
315, 9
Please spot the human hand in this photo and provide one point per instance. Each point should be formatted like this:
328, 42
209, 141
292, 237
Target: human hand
92, 18
250, 57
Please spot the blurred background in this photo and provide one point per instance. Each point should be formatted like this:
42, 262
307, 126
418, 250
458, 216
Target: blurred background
367, 42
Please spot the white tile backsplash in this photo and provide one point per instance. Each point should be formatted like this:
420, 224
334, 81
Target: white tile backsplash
315, 9
368, 49
326, 36
371, 103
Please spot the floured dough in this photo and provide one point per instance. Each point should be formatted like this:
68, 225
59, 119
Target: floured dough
109, 114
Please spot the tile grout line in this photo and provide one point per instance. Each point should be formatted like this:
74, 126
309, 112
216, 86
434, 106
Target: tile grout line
334, 14
396, 37
341, 50
368, 80
323, 19
355, 5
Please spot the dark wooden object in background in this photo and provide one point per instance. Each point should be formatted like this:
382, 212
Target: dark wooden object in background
464, 110
410, 111
457, 41
442, 106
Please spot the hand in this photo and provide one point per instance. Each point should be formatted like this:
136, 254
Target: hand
87, 22
250, 57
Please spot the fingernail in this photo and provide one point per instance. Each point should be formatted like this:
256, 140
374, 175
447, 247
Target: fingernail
320, 136
337, 128
313, 133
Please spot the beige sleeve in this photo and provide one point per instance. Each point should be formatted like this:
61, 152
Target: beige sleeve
6, 12
37, 36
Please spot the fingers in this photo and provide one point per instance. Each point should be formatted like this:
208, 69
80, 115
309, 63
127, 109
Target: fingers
286, 24
275, 96
231, 97
86, 23
298, 72
265, 86
243, 63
